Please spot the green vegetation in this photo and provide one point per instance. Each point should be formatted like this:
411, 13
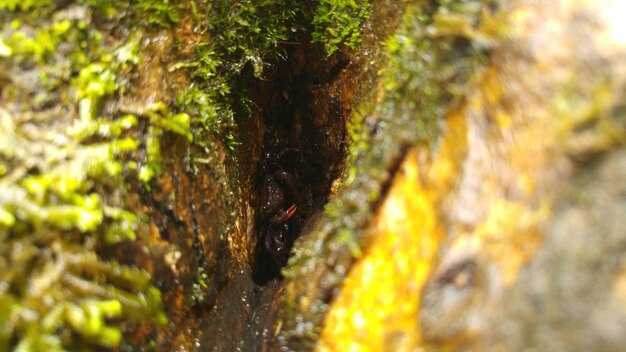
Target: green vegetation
160, 12
239, 33
23, 5
338, 22
64, 168
161, 120
67, 158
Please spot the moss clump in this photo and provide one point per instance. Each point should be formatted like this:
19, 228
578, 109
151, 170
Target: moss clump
27, 5
161, 120
338, 22
240, 34
249, 31
162, 13
64, 166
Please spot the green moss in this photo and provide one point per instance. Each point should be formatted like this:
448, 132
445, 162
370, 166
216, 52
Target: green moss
200, 286
212, 114
45, 266
249, 31
241, 33
162, 13
41, 45
161, 120
23, 5
338, 22
62, 186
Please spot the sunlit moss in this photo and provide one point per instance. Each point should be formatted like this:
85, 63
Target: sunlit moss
338, 22
62, 197
40, 45
161, 120
160, 12
210, 111
242, 33
59, 286
23, 5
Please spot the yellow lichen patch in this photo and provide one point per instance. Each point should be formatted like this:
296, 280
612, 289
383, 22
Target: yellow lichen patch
380, 297
493, 186
379, 302
444, 171
619, 286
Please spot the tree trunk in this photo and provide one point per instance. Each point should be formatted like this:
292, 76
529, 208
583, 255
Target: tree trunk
439, 175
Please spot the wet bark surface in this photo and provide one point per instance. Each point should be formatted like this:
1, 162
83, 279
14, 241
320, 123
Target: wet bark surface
208, 224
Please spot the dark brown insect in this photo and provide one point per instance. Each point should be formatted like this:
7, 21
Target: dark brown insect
278, 205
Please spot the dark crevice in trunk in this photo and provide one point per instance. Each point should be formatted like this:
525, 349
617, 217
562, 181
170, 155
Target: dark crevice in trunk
302, 153
292, 130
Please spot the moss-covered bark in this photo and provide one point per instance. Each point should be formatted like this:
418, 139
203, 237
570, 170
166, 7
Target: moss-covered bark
126, 121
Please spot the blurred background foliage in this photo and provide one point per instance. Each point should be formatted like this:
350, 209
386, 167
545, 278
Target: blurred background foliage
65, 168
